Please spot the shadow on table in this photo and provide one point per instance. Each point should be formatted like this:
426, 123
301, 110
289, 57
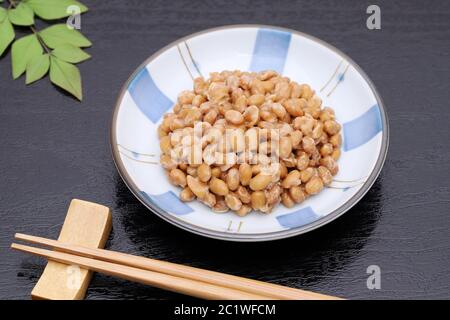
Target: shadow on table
313, 257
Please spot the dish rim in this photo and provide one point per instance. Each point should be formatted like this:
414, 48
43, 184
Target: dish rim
257, 237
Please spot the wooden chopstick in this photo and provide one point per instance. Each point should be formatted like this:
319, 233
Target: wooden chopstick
160, 280
215, 278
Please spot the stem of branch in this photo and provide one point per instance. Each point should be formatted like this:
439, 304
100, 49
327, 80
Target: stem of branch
41, 41
12, 3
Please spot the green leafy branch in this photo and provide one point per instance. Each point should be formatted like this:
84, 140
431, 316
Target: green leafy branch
53, 50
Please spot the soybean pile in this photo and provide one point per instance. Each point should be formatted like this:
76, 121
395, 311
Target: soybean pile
246, 141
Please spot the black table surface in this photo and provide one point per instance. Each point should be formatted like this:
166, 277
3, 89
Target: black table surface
54, 149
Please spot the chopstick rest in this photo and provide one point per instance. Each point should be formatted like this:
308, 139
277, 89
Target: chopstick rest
86, 224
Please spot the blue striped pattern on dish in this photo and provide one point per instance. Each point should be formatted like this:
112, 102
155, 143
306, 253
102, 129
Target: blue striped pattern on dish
270, 51
298, 218
169, 202
362, 129
148, 97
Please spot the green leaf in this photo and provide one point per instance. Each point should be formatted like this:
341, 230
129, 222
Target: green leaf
22, 15
59, 34
3, 13
6, 34
37, 67
70, 53
66, 76
23, 50
54, 9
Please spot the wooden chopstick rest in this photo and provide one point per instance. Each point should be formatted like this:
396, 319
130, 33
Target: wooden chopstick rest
87, 224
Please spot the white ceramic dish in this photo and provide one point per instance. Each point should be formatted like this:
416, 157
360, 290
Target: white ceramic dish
153, 87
